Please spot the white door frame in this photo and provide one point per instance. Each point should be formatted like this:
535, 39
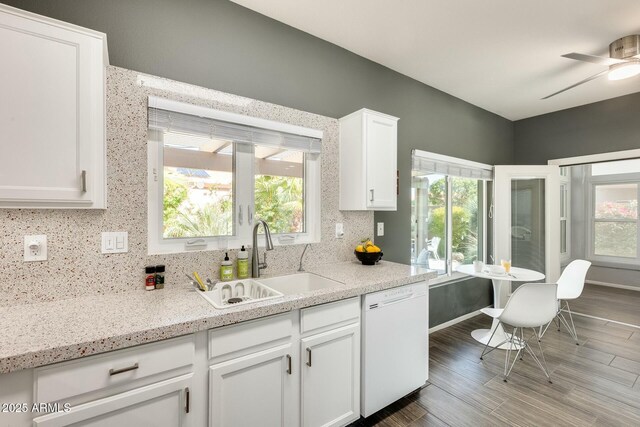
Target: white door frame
596, 158
503, 175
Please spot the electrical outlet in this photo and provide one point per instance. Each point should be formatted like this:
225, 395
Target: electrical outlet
35, 248
115, 242
380, 229
339, 230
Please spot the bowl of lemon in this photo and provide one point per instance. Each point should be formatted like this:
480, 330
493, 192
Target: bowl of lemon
368, 253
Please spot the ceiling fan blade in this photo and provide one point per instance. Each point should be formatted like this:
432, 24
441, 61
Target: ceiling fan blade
593, 59
588, 79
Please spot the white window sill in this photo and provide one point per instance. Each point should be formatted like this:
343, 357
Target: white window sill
230, 244
448, 280
624, 265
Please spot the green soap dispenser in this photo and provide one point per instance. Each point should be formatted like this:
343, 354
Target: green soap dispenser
226, 268
243, 263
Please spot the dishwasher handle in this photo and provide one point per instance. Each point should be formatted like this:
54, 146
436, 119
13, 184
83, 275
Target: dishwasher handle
391, 301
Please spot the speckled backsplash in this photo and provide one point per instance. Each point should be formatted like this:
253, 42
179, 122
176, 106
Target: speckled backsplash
76, 267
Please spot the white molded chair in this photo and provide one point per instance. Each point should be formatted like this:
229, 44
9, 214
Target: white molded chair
432, 246
570, 286
531, 306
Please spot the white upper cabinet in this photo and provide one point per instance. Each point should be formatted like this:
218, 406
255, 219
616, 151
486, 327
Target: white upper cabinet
52, 114
368, 161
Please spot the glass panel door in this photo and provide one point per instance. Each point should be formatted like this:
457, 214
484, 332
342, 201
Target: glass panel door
528, 223
527, 218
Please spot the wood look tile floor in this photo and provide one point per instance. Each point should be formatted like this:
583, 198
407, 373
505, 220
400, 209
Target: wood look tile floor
594, 384
622, 305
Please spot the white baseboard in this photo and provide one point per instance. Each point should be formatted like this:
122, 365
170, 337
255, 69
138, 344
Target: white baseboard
602, 318
613, 285
456, 320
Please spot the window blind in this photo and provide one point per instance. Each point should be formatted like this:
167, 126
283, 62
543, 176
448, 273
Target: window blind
425, 162
173, 121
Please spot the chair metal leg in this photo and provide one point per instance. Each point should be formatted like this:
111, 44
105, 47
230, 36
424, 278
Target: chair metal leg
545, 369
520, 340
484, 351
514, 337
544, 331
570, 326
555, 320
573, 327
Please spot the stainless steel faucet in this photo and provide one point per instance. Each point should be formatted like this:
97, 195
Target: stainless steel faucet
256, 265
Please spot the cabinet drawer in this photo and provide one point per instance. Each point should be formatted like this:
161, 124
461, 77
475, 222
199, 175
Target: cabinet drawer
315, 319
68, 379
248, 337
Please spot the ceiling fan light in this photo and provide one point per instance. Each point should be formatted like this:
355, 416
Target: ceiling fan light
624, 70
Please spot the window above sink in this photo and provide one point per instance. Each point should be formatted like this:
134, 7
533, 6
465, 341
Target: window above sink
212, 173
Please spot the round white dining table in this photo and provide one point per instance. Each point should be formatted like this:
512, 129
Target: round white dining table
501, 285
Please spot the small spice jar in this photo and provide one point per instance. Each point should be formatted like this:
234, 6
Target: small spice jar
159, 276
150, 278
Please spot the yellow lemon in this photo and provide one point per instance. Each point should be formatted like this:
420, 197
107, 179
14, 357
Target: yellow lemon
360, 248
373, 248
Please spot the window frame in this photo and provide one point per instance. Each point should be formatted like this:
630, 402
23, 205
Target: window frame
609, 260
486, 206
243, 189
565, 186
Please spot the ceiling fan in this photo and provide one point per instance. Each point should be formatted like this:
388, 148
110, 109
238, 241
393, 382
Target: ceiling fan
623, 61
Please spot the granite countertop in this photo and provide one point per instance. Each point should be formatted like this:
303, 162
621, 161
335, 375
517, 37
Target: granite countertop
39, 334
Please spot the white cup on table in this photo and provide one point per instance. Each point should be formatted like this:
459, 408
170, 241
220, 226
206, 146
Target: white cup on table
478, 266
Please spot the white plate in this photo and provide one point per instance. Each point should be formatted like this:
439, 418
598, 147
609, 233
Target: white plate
495, 274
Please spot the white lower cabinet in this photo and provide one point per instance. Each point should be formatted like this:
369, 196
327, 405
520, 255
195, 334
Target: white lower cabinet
300, 368
254, 390
296, 369
162, 404
331, 377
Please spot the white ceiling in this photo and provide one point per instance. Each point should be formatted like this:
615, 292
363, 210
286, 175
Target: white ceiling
501, 55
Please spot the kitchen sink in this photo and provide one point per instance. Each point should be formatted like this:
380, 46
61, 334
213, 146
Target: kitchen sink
299, 283
239, 292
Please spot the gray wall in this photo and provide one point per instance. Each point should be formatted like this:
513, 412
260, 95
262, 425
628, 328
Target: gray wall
605, 126
220, 45
461, 298
601, 127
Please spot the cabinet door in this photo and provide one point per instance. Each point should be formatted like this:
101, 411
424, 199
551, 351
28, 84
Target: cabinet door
162, 404
51, 114
331, 377
381, 165
254, 390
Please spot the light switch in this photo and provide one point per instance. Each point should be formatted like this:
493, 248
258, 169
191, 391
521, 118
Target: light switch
115, 242
119, 242
380, 229
339, 230
109, 241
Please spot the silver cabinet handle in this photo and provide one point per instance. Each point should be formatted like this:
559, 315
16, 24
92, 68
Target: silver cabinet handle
308, 357
249, 215
83, 179
122, 370
187, 405
289, 364
371, 198
239, 214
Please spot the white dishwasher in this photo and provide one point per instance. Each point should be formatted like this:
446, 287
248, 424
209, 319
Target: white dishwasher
395, 345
